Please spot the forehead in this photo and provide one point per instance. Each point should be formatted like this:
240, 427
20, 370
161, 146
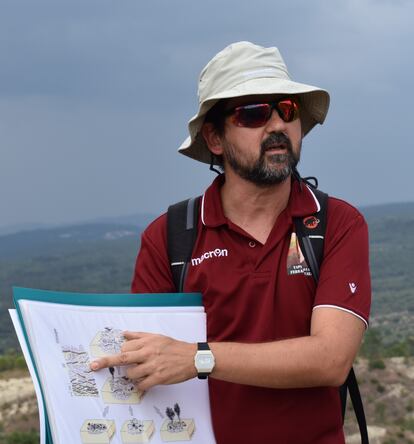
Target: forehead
258, 98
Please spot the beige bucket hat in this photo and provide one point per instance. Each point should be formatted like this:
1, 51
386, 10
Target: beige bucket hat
243, 69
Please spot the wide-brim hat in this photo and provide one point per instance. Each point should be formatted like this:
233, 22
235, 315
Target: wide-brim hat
244, 69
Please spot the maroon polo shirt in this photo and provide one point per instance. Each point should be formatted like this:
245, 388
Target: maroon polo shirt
260, 293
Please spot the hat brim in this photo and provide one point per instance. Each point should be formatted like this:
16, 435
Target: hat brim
314, 101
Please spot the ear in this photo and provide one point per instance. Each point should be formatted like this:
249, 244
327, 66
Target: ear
213, 140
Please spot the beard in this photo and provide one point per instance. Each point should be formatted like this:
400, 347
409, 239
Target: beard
266, 170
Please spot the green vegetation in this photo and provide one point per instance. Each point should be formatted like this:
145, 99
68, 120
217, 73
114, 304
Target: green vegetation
85, 265
20, 438
83, 259
377, 346
12, 360
87, 261
392, 256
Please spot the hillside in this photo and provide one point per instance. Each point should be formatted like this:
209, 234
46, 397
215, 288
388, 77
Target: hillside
392, 256
85, 258
99, 257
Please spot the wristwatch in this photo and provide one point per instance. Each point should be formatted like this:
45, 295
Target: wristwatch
203, 360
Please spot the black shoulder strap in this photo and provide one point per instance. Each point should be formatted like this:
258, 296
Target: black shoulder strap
182, 221
352, 384
311, 235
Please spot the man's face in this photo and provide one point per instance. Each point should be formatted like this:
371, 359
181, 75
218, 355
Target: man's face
266, 155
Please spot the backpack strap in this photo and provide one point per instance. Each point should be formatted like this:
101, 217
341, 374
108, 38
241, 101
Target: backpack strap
352, 384
311, 235
182, 221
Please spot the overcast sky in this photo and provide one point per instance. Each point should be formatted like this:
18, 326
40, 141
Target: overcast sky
95, 96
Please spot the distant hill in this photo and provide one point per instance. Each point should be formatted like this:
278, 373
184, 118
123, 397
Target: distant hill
64, 240
88, 258
400, 209
100, 257
138, 220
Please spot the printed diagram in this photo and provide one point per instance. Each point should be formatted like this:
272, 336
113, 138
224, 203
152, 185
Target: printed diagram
121, 390
175, 428
136, 431
107, 342
82, 382
97, 431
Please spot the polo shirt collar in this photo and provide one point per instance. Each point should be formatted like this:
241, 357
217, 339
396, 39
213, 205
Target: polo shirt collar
302, 202
212, 214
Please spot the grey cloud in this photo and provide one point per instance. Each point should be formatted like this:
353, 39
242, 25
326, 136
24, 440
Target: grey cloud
95, 96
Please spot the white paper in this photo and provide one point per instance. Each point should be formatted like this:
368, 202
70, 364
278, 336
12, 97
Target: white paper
26, 354
97, 407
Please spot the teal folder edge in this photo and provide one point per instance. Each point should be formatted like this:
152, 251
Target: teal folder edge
96, 300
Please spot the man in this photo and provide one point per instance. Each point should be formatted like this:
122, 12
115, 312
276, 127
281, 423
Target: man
282, 344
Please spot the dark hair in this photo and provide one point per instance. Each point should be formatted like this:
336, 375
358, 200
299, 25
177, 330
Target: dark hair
216, 116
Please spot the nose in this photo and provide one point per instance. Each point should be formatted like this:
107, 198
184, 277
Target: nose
275, 123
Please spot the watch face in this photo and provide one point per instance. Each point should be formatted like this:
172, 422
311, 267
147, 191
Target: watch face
204, 361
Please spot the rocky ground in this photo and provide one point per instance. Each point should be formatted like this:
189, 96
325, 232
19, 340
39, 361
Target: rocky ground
388, 395
18, 406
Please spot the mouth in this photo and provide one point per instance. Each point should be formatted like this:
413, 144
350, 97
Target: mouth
276, 148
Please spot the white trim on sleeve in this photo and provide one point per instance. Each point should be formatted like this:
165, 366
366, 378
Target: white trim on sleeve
343, 309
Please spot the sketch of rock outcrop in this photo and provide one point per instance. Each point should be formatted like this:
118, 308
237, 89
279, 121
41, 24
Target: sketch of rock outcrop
137, 431
107, 342
82, 382
97, 431
121, 390
176, 429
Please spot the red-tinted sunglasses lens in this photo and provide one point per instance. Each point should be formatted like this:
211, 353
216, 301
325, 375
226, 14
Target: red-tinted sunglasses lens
288, 110
255, 116
252, 116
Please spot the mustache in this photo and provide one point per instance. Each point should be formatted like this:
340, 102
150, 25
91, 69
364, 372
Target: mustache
276, 139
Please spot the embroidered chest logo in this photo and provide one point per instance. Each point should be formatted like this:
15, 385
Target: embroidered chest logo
311, 222
217, 252
296, 262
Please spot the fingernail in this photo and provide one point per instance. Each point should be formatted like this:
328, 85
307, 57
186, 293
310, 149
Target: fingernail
94, 365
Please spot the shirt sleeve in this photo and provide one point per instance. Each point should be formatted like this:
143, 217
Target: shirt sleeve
345, 281
152, 269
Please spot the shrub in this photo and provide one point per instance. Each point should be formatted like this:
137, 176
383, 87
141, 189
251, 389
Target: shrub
377, 363
22, 438
12, 360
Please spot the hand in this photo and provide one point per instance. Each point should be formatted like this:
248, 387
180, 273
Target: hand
153, 359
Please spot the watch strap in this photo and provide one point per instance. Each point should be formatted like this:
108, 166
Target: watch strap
202, 375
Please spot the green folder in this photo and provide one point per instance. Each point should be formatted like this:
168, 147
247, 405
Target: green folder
97, 300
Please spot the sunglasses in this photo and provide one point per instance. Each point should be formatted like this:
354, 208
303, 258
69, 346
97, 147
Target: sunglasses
258, 114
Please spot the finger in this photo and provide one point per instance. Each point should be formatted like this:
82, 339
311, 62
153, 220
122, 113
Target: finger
128, 335
132, 345
146, 383
138, 372
124, 358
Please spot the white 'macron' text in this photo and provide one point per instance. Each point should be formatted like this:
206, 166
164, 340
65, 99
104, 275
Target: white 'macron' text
218, 252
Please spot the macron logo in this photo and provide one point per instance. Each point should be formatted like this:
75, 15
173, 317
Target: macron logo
218, 252
352, 287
